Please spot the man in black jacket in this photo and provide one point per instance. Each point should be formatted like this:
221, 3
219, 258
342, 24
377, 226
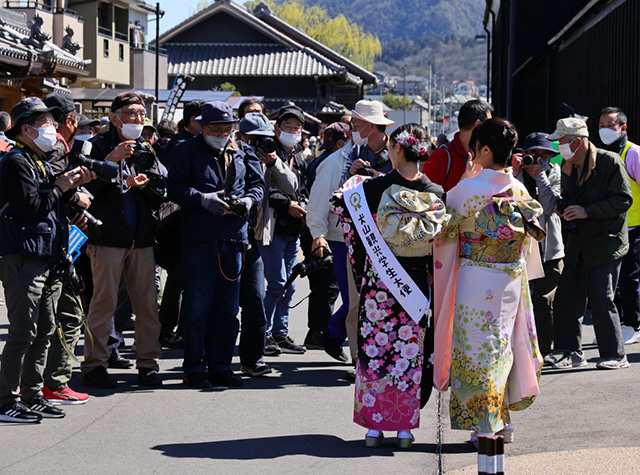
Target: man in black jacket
34, 230
125, 244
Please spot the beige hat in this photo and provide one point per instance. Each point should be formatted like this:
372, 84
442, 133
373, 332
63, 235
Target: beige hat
569, 126
371, 111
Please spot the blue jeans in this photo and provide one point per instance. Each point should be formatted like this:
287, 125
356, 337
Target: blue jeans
337, 328
211, 305
253, 319
279, 257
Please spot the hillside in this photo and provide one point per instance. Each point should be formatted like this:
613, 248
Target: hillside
421, 33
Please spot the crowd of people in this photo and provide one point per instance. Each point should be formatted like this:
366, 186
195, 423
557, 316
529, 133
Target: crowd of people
464, 267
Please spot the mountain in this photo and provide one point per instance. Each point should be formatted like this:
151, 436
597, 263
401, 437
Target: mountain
410, 19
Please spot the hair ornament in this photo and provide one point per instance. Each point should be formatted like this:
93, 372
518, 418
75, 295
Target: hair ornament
408, 140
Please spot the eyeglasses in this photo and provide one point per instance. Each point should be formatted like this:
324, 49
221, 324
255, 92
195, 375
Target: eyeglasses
45, 122
134, 113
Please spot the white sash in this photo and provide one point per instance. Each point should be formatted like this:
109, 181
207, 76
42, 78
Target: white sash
386, 265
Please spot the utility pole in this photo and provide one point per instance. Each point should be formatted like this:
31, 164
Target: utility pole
404, 106
159, 13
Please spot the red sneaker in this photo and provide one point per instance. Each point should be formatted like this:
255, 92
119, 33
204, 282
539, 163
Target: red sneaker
64, 397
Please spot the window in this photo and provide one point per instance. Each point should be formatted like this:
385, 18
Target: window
106, 48
105, 18
121, 52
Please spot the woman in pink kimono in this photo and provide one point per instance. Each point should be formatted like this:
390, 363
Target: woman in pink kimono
486, 347
401, 212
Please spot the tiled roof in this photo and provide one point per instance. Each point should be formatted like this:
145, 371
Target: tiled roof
202, 59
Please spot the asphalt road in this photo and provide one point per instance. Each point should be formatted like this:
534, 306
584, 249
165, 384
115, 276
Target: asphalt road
299, 420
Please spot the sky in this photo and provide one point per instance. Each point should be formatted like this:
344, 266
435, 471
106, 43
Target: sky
175, 11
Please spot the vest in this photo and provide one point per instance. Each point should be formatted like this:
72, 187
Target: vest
633, 214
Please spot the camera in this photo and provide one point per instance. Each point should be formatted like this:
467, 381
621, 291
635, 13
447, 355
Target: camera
235, 205
78, 156
562, 204
143, 157
93, 223
266, 144
367, 170
66, 271
313, 263
529, 159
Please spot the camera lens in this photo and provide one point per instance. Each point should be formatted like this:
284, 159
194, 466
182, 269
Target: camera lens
528, 160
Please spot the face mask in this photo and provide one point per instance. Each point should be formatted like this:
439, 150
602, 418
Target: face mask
608, 136
565, 150
358, 140
289, 140
46, 138
83, 137
544, 163
132, 131
216, 143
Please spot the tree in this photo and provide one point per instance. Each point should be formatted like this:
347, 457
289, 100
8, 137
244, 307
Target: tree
344, 37
227, 86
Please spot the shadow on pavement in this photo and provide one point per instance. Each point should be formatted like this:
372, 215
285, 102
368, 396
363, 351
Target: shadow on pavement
314, 445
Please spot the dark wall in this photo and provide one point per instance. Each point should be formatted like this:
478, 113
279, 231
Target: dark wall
221, 28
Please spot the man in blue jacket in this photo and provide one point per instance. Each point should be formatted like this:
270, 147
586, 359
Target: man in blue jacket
216, 186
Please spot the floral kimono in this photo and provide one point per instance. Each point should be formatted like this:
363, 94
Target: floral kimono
486, 346
391, 345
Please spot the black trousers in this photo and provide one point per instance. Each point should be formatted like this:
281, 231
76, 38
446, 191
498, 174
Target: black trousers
597, 284
543, 291
628, 297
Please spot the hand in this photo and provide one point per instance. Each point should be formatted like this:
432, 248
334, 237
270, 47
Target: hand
83, 200
317, 245
472, 169
86, 176
72, 178
533, 170
79, 220
122, 151
296, 210
574, 212
136, 181
266, 158
247, 206
516, 163
356, 165
213, 202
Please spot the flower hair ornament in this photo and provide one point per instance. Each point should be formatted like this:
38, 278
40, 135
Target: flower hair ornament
406, 139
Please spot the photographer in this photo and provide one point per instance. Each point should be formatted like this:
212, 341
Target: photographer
533, 167
595, 198
217, 185
124, 205
58, 370
34, 231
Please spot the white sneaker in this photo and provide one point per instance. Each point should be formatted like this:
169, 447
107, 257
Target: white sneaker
630, 335
613, 363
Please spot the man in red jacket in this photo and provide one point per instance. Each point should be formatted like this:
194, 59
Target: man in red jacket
446, 165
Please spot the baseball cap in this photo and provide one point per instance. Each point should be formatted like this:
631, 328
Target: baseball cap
125, 99
254, 123
333, 134
216, 112
290, 111
62, 101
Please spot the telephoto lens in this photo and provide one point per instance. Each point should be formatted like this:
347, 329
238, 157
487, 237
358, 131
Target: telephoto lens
77, 156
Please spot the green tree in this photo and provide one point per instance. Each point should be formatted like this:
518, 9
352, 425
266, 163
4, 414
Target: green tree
396, 102
337, 33
227, 86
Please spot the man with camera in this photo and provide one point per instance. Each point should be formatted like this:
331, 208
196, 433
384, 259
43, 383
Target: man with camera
279, 247
595, 198
58, 370
533, 167
125, 245
34, 230
216, 184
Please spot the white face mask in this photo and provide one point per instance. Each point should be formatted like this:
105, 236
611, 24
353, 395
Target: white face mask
289, 140
608, 136
565, 150
358, 140
216, 143
46, 138
132, 131
83, 137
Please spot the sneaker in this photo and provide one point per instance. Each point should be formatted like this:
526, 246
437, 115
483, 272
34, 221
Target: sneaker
258, 369
330, 346
196, 379
172, 340
149, 377
43, 407
64, 397
99, 378
271, 348
552, 358
613, 363
226, 378
18, 412
287, 345
630, 335
570, 359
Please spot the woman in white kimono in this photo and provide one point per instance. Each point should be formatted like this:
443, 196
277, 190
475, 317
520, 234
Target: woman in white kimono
486, 347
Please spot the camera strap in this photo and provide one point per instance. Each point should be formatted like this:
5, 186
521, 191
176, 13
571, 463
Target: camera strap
386, 265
